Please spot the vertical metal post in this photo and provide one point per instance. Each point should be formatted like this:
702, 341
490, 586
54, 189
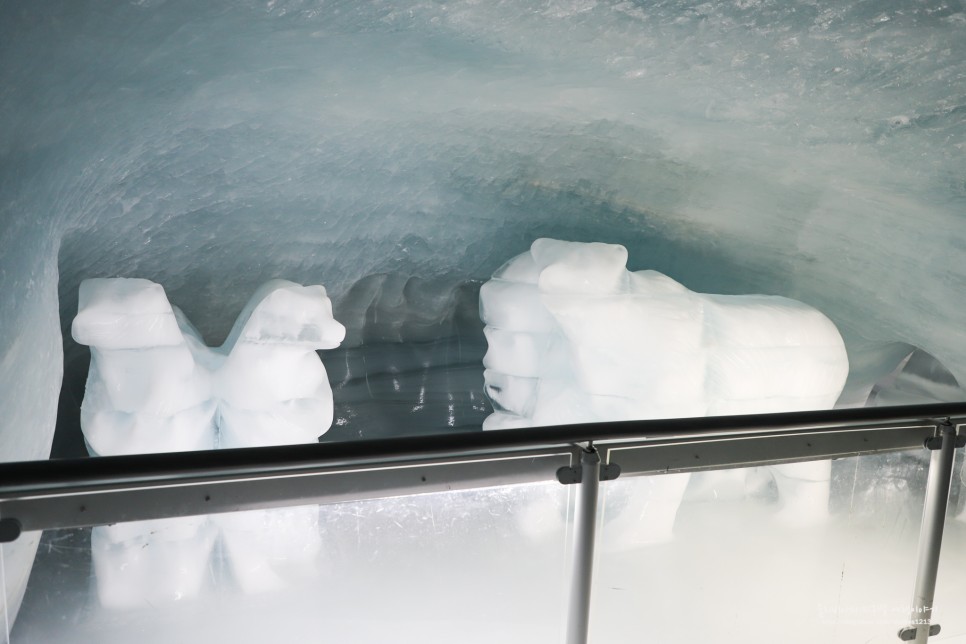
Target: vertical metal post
582, 566
930, 538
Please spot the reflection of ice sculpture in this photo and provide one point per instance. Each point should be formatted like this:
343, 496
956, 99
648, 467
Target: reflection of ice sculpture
575, 337
143, 563
268, 548
155, 387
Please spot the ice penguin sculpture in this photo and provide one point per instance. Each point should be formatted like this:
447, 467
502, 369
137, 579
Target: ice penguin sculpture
154, 386
575, 337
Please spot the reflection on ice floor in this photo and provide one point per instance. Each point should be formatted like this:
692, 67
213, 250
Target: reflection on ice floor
467, 567
431, 568
734, 575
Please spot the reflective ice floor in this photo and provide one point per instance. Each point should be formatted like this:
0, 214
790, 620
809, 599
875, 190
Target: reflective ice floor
733, 576
490, 565
448, 567
737, 570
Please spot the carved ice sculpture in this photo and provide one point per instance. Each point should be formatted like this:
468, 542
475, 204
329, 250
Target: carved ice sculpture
575, 337
154, 386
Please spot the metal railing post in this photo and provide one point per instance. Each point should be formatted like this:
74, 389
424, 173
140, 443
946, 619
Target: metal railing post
931, 535
582, 565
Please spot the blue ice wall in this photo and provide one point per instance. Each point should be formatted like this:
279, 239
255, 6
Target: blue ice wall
809, 149
398, 152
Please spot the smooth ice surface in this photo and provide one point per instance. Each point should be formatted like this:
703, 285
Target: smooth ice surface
155, 387
467, 566
575, 337
142, 564
426, 569
734, 573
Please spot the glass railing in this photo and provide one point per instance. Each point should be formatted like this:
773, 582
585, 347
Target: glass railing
784, 527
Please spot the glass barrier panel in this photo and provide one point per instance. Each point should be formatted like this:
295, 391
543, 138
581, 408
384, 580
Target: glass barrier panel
469, 566
951, 583
16, 559
821, 551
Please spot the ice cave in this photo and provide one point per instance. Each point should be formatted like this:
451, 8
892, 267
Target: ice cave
450, 216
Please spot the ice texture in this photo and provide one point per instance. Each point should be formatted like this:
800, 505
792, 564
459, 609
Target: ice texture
270, 549
151, 563
807, 148
575, 337
154, 386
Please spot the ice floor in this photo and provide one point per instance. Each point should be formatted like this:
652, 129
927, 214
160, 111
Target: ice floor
732, 575
473, 567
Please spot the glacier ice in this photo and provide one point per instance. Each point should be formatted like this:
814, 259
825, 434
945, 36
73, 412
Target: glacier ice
576, 337
155, 387
809, 149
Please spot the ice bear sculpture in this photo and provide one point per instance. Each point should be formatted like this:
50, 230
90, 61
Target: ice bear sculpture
575, 337
154, 386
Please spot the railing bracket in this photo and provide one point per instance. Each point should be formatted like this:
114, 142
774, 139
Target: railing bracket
573, 475
569, 475
908, 633
936, 442
10, 529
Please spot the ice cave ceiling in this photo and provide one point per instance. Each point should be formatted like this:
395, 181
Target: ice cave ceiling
399, 152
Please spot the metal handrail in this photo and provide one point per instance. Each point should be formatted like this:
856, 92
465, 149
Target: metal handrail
91, 491
60, 474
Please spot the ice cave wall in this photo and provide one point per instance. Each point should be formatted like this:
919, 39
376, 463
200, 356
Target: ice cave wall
807, 149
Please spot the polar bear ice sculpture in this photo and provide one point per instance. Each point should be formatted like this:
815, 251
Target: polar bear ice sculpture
155, 387
575, 337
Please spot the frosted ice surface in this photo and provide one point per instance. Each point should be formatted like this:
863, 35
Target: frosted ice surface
125, 314
575, 337
146, 392
268, 549
272, 387
148, 563
155, 387
283, 313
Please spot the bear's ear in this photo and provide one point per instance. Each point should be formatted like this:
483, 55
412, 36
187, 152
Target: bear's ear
285, 313
122, 313
579, 268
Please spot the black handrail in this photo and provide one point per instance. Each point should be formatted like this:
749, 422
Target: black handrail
60, 474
